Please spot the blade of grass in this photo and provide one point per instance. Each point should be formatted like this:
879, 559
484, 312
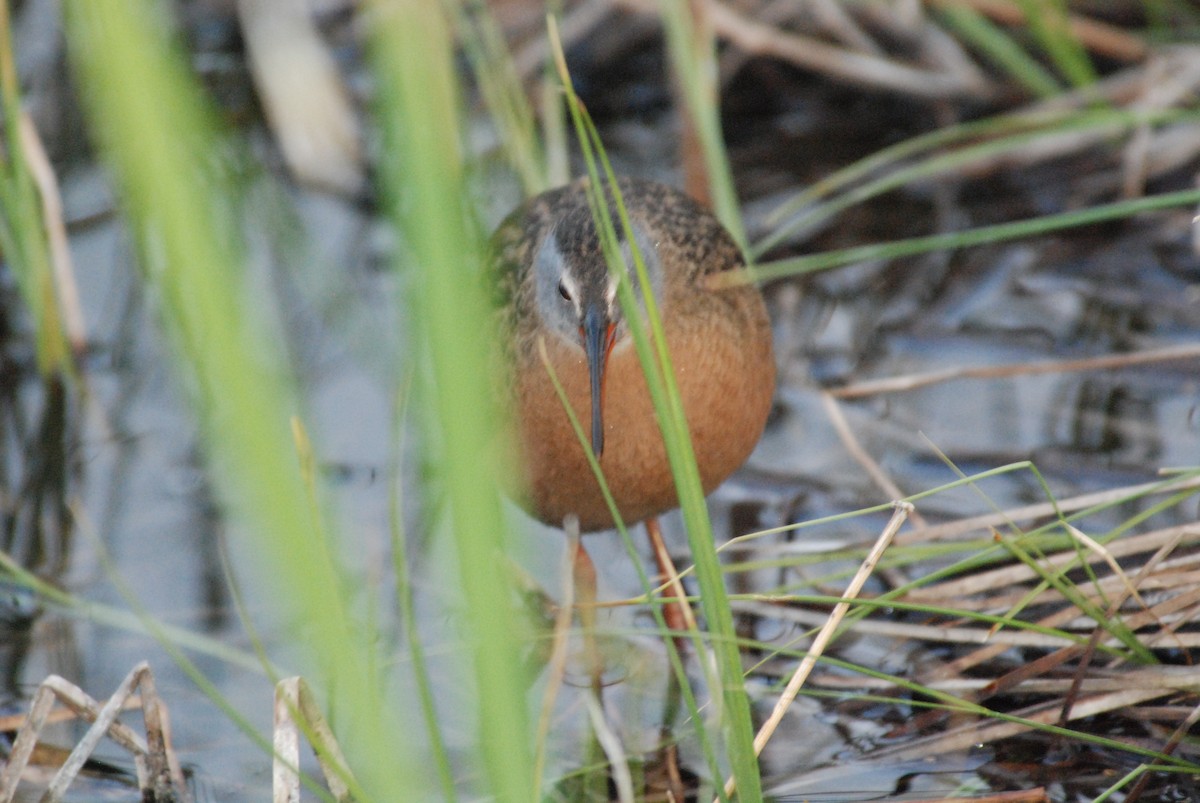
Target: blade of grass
160, 140
608, 741
664, 393
673, 424
999, 136
673, 656
1000, 48
863, 607
1057, 578
1048, 22
906, 149
23, 234
692, 48
508, 106
425, 187
406, 603
961, 239
554, 129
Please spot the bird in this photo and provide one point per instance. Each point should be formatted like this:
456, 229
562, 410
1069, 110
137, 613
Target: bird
555, 295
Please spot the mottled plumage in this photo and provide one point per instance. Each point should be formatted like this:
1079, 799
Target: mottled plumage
549, 276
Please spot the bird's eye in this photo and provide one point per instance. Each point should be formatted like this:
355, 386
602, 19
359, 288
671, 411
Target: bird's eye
563, 291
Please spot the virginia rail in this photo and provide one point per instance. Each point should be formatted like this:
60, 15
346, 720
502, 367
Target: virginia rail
554, 285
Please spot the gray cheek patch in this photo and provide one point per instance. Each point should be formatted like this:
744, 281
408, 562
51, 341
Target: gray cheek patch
560, 314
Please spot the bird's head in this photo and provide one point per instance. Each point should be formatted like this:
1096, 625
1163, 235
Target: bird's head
577, 295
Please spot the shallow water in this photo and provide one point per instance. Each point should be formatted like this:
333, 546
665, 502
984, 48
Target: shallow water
148, 526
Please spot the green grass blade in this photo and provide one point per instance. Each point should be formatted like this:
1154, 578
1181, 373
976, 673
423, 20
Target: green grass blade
1048, 21
998, 136
406, 606
692, 49
971, 237
738, 726
1020, 547
505, 98
673, 657
424, 183
160, 140
1000, 48
23, 238
1056, 578
660, 380
780, 218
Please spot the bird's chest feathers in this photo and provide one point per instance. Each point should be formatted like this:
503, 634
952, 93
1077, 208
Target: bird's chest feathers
623, 372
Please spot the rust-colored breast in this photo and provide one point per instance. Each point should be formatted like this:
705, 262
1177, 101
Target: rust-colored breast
726, 376
719, 341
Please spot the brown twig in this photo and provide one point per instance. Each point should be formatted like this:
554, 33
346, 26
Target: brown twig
1167, 749
850, 441
954, 529
817, 55
974, 733
1105, 362
1037, 795
827, 632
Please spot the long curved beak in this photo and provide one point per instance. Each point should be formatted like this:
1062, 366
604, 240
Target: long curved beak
599, 334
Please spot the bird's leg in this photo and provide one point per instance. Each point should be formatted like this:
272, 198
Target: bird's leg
677, 613
583, 572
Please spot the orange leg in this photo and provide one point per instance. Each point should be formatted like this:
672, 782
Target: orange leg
583, 572
677, 613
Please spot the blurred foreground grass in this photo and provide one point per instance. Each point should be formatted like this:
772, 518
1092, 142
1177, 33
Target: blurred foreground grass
172, 162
